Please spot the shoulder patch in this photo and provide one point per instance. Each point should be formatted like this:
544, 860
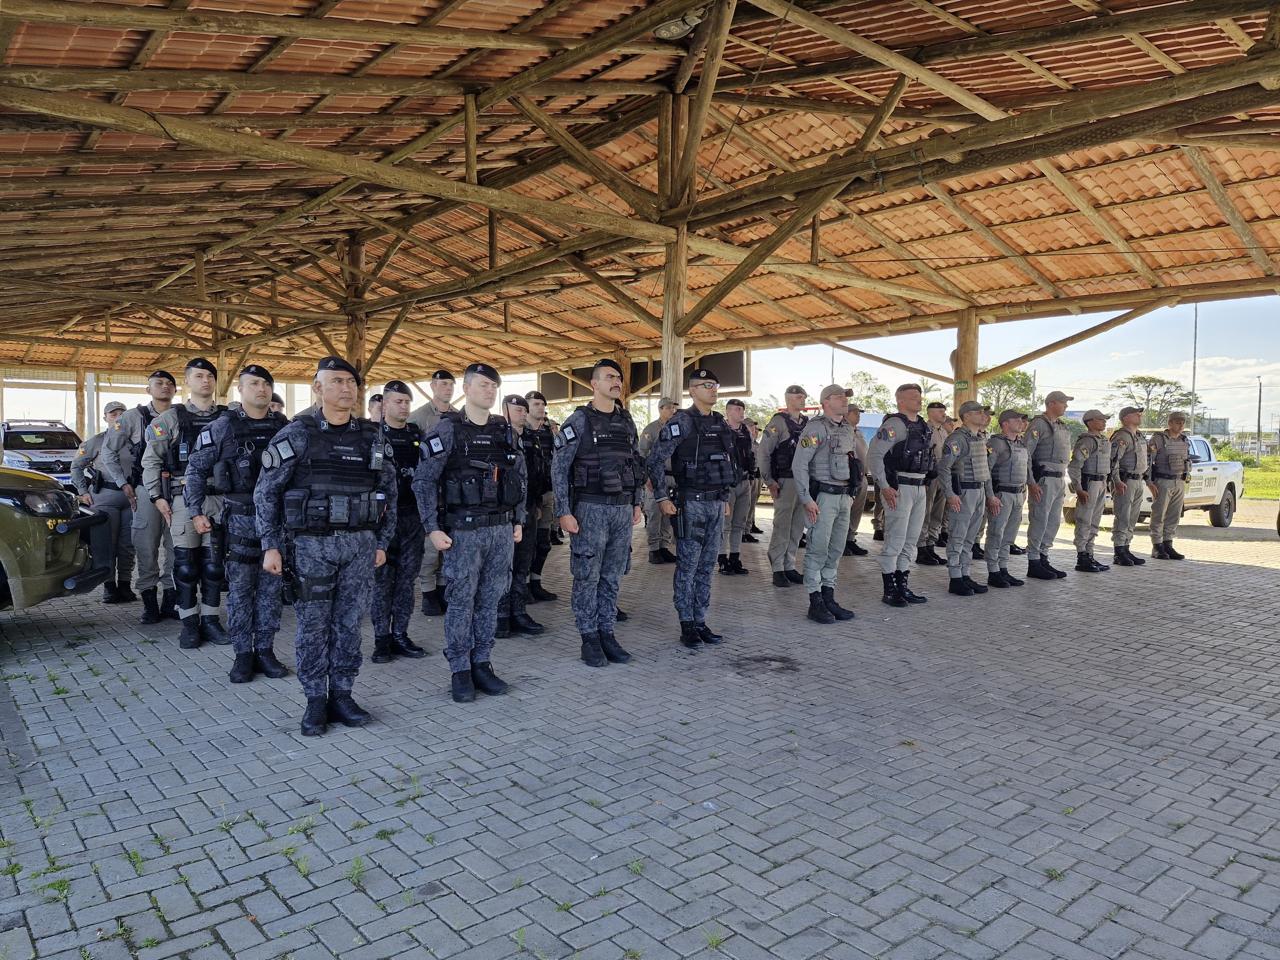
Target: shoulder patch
283, 449
671, 431
435, 445
954, 447
205, 439
886, 433
568, 433
558, 441
1036, 434
809, 440
772, 430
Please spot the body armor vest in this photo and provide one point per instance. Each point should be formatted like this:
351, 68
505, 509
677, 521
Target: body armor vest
1010, 468
745, 452
785, 451
607, 468
335, 485
704, 459
1057, 451
1173, 458
190, 423
540, 446
479, 478
406, 447
1098, 463
235, 472
1132, 455
971, 465
913, 453
137, 448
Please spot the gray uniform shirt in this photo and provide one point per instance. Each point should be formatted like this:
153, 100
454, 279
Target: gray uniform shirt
1128, 453
1092, 455
1007, 461
775, 431
822, 454
86, 456
1048, 442
1170, 456
116, 461
964, 458
162, 436
893, 431
427, 417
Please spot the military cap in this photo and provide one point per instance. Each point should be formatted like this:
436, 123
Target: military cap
1057, 396
854, 407
735, 402
606, 362
795, 388
535, 395
376, 398
397, 386
1179, 415
970, 406
162, 375
1011, 414
666, 402
113, 406
484, 370
515, 400
1125, 411
200, 363
253, 370
442, 375
936, 405
835, 390
276, 398
1095, 415
337, 363
703, 375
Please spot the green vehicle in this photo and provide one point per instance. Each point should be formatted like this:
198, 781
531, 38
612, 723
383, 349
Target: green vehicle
43, 548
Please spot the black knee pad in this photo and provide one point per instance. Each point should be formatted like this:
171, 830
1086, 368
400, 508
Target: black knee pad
186, 569
211, 568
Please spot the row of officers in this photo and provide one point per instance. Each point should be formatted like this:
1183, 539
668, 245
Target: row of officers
336, 513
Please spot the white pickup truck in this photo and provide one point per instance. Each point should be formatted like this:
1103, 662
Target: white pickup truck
1215, 485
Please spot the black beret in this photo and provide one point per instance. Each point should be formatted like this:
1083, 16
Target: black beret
276, 398
936, 405
535, 395
442, 375
735, 402
376, 398
200, 363
162, 375
398, 386
484, 370
702, 373
515, 400
606, 362
253, 370
337, 363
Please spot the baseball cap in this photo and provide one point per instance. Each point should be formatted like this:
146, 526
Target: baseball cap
1011, 414
735, 402
970, 406
835, 390
904, 387
1057, 396
936, 405
113, 406
1179, 415
1125, 411
1095, 415
666, 402
796, 388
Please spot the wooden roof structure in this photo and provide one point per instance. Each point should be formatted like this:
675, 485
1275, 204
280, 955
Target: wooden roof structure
422, 183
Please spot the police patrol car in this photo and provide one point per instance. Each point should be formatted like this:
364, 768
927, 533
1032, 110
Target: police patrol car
44, 446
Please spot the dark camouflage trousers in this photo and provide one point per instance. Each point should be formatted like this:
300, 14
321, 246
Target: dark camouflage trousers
394, 583
599, 554
516, 599
477, 572
696, 553
334, 577
253, 601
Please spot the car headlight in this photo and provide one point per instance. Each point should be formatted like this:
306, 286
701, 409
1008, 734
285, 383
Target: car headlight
51, 503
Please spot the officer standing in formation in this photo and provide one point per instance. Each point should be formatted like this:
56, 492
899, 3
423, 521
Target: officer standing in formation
227, 461
1048, 451
277, 403
753, 428
935, 509
1169, 453
513, 614
826, 474
425, 418
197, 551
121, 463
700, 447
1129, 471
966, 483
777, 449
862, 489
111, 541
375, 407
328, 481
657, 524
1007, 460
730, 558
471, 489
597, 477
902, 463
541, 433
1088, 471
393, 583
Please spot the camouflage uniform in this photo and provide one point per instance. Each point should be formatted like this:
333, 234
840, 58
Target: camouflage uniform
311, 471
111, 542
120, 461
393, 590
542, 510
425, 418
477, 567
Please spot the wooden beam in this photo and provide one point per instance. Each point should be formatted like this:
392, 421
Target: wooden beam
469, 116
840, 108
891, 363
965, 358
683, 175
1248, 237
673, 126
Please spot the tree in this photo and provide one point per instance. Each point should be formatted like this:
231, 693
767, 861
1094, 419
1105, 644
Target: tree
1157, 396
869, 393
932, 390
1014, 389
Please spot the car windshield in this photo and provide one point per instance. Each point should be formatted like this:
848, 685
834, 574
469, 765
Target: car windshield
37, 440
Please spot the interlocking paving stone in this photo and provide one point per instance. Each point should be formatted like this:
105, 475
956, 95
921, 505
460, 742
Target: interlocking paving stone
1087, 769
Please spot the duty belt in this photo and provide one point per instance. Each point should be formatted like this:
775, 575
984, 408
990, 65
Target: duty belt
911, 481
1163, 476
831, 487
108, 485
1052, 473
610, 499
969, 485
1093, 477
473, 521
1130, 476
699, 495
1019, 489
238, 503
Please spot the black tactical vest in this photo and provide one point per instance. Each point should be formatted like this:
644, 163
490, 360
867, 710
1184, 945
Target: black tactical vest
334, 486
607, 468
913, 453
239, 462
190, 424
539, 447
785, 451
703, 461
139, 447
479, 477
745, 451
406, 445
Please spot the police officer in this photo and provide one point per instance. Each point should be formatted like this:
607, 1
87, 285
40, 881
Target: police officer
698, 443
111, 543
730, 559
329, 481
393, 583
756, 483
1007, 462
227, 462
597, 476
1048, 452
425, 418
375, 407
657, 524
966, 479
1088, 471
277, 403
471, 489
935, 508
861, 490
826, 474
513, 614
902, 463
1169, 453
120, 461
542, 432
777, 449
1129, 473
197, 549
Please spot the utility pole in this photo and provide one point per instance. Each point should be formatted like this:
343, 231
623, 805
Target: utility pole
1259, 421
1195, 337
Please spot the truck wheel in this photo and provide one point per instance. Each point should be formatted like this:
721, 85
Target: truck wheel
1222, 514
1069, 515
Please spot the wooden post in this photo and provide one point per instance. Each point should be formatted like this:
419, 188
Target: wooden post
82, 421
357, 319
672, 120
965, 363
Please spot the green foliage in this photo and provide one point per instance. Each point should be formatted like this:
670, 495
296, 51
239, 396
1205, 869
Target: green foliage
1157, 396
1262, 483
869, 393
1015, 388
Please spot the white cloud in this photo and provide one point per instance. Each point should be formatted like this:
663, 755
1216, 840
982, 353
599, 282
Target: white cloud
1125, 355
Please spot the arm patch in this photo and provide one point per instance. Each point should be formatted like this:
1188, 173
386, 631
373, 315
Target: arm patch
278, 452
671, 431
568, 433
205, 439
435, 445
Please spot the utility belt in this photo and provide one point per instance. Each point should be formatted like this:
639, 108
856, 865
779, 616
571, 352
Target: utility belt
1039, 472
609, 499
460, 520
1021, 488
1165, 476
969, 485
335, 513
238, 504
699, 496
818, 486
1130, 476
911, 479
1093, 477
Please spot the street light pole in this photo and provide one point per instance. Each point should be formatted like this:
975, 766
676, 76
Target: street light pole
1195, 338
1259, 421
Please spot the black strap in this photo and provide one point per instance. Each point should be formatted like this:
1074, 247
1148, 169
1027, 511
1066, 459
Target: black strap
1130, 476
1018, 489
1051, 473
475, 521
911, 481
1093, 477
969, 485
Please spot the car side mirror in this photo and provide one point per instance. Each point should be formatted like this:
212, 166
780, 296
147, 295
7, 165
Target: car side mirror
1196, 458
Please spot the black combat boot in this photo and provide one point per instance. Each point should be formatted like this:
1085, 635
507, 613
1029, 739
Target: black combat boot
486, 681
722, 561
755, 529
1136, 561
612, 649
829, 601
109, 592
265, 663
708, 636
1120, 559
431, 605
997, 579
344, 710
655, 557
668, 556
942, 539
190, 637
211, 631
978, 552
404, 647
1084, 564
1098, 567
689, 634
126, 594
748, 538
780, 579
592, 654
620, 615
795, 576
503, 629
316, 720
974, 585
169, 605
902, 579
735, 565
818, 611
537, 594
242, 669
461, 687
1170, 553
523, 623
892, 595
959, 587
1058, 574
851, 549
878, 536
1016, 551
1157, 552
383, 651
150, 608
927, 558
1010, 580
1037, 570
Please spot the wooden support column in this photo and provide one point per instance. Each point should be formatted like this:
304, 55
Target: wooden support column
357, 319
82, 421
965, 359
672, 126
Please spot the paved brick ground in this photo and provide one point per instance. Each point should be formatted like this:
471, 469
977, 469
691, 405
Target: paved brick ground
1079, 770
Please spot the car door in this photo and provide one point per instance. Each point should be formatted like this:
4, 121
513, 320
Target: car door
1205, 476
